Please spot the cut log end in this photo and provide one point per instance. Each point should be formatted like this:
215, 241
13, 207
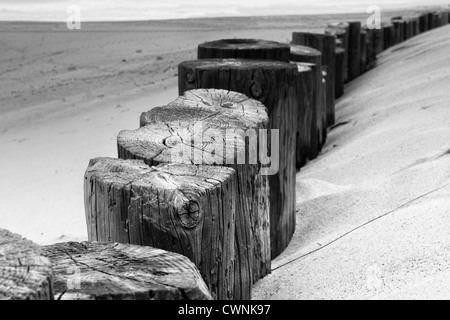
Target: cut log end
24, 273
173, 207
94, 271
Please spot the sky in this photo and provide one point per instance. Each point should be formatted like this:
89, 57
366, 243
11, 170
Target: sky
114, 10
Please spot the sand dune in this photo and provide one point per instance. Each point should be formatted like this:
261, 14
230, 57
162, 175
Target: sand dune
375, 220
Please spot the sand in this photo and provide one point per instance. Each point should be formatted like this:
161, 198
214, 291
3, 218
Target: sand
372, 210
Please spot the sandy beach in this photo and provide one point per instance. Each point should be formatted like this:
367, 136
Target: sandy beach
372, 210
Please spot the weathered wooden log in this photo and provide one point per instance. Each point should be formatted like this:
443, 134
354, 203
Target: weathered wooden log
388, 30
370, 49
340, 58
25, 274
378, 41
423, 22
307, 87
363, 56
269, 82
408, 29
318, 130
341, 31
113, 271
326, 45
180, 208
399, 30
228, 113
244, 49
354, 50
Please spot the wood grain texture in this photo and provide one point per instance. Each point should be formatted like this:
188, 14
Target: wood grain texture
244, 49
95, 271
25, 274
326, 44
269, 82
354, 50
305, 54
233, 112
180, 208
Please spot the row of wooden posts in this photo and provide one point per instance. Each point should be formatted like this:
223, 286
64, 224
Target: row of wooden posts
180, 215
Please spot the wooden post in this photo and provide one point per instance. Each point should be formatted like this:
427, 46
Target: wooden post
378, 41
370, 49
172, 207
423, 22
223, 113
24, 273
244, 49
363, 56
326, 45
324, 91
399, 30
354, 50
319, 129
341, 31
95, 271
307, 87
409, 29
269, 82
436, 19
340, 58
387, 38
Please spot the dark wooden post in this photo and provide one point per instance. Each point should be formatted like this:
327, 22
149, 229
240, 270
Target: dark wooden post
378, 41
244, 49
319, 129
339, 71
326, 45
409, 29
228, 114
436, 19
388, 30
363, 56
306, 89
95, 271
172, 207
399, 30
354, 50
271, 83
423, 22
370, 48
341, 31
25, 274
